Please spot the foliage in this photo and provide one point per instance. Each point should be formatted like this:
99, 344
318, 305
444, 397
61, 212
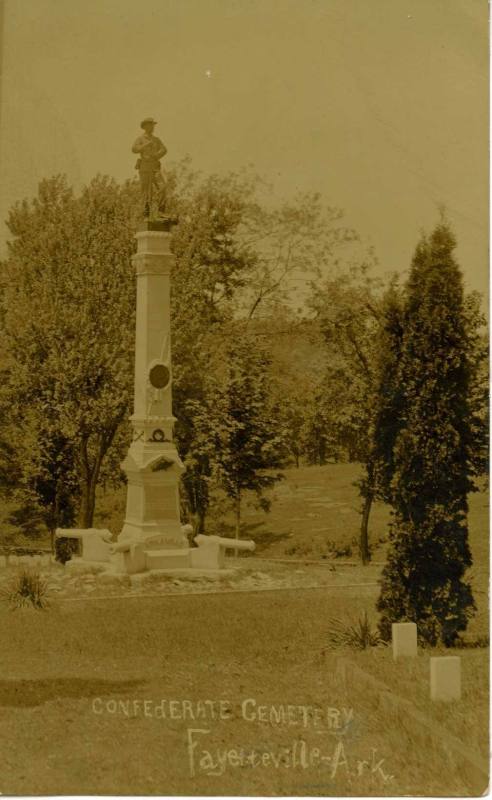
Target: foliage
477, 344
388, 409
234, 260
26, 588
67, 324
211, 264
245, 434
43, 488
65, 548
68, 305
295, 362
329, 423
292, 243
433, 453
320, 549
348, 309
359, 636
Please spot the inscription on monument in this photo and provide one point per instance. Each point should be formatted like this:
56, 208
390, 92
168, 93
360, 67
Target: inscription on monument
160, 502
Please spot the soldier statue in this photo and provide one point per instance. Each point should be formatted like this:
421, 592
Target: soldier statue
150, 150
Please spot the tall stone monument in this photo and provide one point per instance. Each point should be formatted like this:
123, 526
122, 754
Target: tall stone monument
152, 537
152, 525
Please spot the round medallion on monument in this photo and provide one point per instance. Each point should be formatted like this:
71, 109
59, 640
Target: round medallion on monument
158, 435
159, 376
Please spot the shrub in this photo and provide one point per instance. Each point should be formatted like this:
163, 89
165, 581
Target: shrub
24, 589
344, 550
65, 548
359, 636
316, 549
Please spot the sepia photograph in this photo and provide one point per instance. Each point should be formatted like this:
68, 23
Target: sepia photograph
244, 398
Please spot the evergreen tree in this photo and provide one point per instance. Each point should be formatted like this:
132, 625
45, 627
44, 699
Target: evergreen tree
432, 460
389, 393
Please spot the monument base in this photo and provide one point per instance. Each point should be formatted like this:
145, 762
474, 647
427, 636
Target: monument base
140, 557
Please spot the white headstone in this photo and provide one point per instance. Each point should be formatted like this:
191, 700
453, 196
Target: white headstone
404, 638
445, 678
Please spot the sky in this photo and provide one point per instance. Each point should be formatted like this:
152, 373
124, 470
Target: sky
380, 105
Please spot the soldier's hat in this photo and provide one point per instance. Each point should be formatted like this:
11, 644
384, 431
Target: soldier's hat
148, 121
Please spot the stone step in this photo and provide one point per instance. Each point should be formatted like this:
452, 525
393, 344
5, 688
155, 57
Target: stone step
167, 559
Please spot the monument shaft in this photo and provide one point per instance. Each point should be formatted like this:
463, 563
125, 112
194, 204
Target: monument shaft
152, 465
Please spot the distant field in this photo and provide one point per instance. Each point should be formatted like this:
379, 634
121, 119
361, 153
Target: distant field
314, 511
314, 514
311, 508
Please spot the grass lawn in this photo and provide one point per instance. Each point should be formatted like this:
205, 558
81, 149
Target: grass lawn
71, 676
410, 679
123, 695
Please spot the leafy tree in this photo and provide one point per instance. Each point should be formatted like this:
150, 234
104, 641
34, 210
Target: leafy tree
296, 359
294, 241
248, 444
47, 488
318, 440
67, 322
235, 259
211, 265
433, 456
347, 308
68, 305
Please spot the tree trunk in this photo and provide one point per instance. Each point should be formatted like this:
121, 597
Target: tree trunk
238, 520
364, 550
89, 502
90, 476
52, 541
200, 521
86, 479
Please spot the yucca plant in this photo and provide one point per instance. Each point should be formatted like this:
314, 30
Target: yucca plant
26, 588
359, 636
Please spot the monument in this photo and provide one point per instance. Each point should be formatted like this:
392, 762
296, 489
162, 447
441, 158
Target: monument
152, 525
152, 537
